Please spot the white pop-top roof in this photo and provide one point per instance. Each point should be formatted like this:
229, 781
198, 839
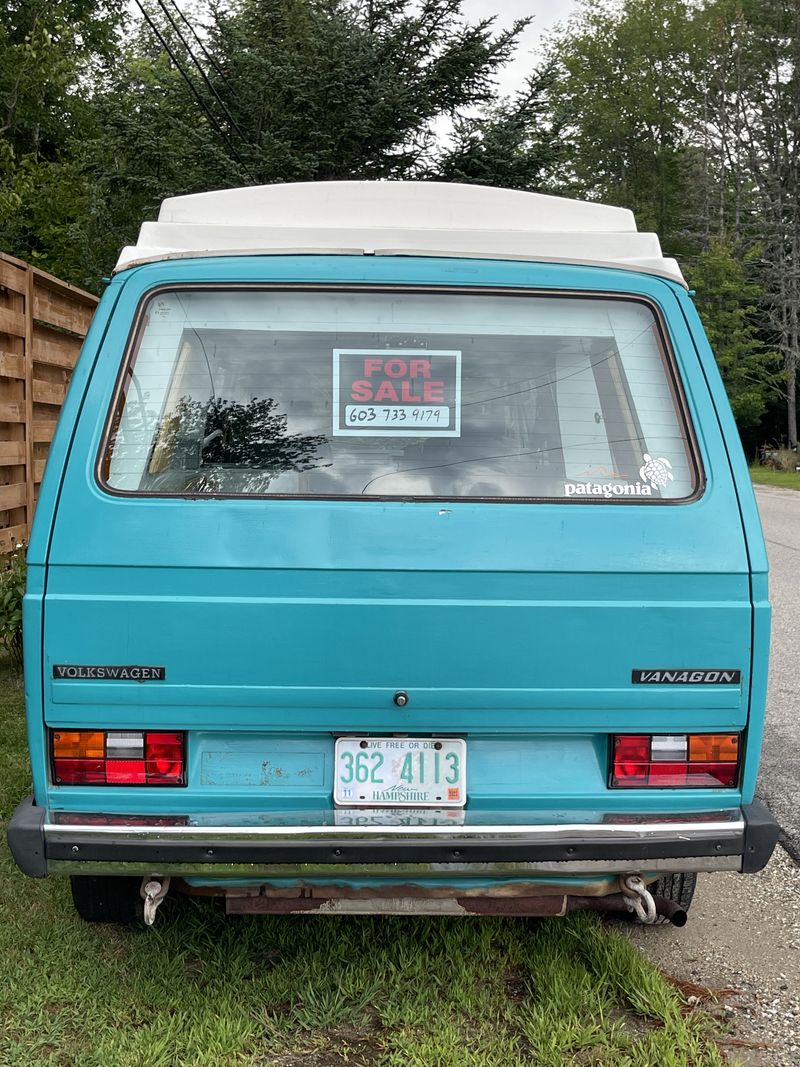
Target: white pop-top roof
401, 219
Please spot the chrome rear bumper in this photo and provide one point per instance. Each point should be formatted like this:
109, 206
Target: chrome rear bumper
298, 846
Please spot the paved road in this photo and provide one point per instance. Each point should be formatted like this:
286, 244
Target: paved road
779, 782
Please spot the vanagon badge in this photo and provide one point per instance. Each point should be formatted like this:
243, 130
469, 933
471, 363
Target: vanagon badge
683, 676
82, 672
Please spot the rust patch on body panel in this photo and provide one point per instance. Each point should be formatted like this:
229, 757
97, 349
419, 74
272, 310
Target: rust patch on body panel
270, 774
363, 904
539, 906
331, 891
509, 891
271, 905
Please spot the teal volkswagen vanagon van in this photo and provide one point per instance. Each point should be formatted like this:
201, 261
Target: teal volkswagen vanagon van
396, 553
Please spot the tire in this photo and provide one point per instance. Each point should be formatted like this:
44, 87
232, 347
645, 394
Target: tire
106, 899
676, 887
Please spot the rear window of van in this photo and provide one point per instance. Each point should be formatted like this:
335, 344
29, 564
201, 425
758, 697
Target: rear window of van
399, 394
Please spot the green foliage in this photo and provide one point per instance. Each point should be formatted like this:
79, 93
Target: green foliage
517, 144
728, 301
327, 89
53, 53
780, 459
296, 90
45, 46
621, 92
685, 112
688, 113
12, 590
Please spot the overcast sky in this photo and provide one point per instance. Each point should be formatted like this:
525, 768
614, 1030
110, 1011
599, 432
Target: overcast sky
544, 12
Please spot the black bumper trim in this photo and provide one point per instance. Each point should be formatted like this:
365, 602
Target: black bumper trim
32, 851
761, 835
217, 851
26, 838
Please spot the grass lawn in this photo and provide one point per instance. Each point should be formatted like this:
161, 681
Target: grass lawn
768, 476
202, 989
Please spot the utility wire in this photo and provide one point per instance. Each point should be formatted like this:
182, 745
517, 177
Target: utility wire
199, 66
199, 40
193, 89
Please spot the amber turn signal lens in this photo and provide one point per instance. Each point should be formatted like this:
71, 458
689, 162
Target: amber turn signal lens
713, 748
79, 744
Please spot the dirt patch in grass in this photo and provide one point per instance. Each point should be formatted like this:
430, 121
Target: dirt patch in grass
344, 1047
517, 984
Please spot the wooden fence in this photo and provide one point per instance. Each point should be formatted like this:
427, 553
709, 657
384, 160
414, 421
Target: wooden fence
42, 324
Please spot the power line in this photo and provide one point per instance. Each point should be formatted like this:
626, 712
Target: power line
199, 40
199, 66
193, 89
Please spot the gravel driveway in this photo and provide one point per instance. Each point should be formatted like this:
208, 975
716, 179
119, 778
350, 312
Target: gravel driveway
779, 783
743, 933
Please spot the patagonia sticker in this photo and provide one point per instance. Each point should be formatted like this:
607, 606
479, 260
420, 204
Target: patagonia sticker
654, 474
82, 672
695, 676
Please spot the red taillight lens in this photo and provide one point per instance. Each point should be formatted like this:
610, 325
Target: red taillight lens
125, 772
163, 756
631, 759
710, 775
668, 776
79, 771
118, 757
675, 761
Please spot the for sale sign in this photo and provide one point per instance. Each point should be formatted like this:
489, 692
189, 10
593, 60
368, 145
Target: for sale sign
398, 392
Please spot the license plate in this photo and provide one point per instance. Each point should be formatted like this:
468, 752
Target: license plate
414, 772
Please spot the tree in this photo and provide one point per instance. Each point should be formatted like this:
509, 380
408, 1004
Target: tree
754, 121
689, 113
622, 94
332, 89
45, 48
267, 91
517, 144
730, 304
50, 51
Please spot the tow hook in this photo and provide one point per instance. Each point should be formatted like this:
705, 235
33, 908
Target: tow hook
638, 897
153, 892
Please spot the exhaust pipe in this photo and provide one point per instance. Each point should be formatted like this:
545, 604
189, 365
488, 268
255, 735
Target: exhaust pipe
671, 911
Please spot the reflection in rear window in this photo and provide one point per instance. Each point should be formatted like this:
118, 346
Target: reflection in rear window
402, 394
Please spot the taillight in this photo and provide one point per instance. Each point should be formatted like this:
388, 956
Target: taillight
163, 757
675, 761
118, 757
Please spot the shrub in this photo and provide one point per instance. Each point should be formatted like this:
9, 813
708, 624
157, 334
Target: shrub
12, 589
780, 459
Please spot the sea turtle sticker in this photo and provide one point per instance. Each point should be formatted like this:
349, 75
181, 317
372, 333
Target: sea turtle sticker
656, 471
